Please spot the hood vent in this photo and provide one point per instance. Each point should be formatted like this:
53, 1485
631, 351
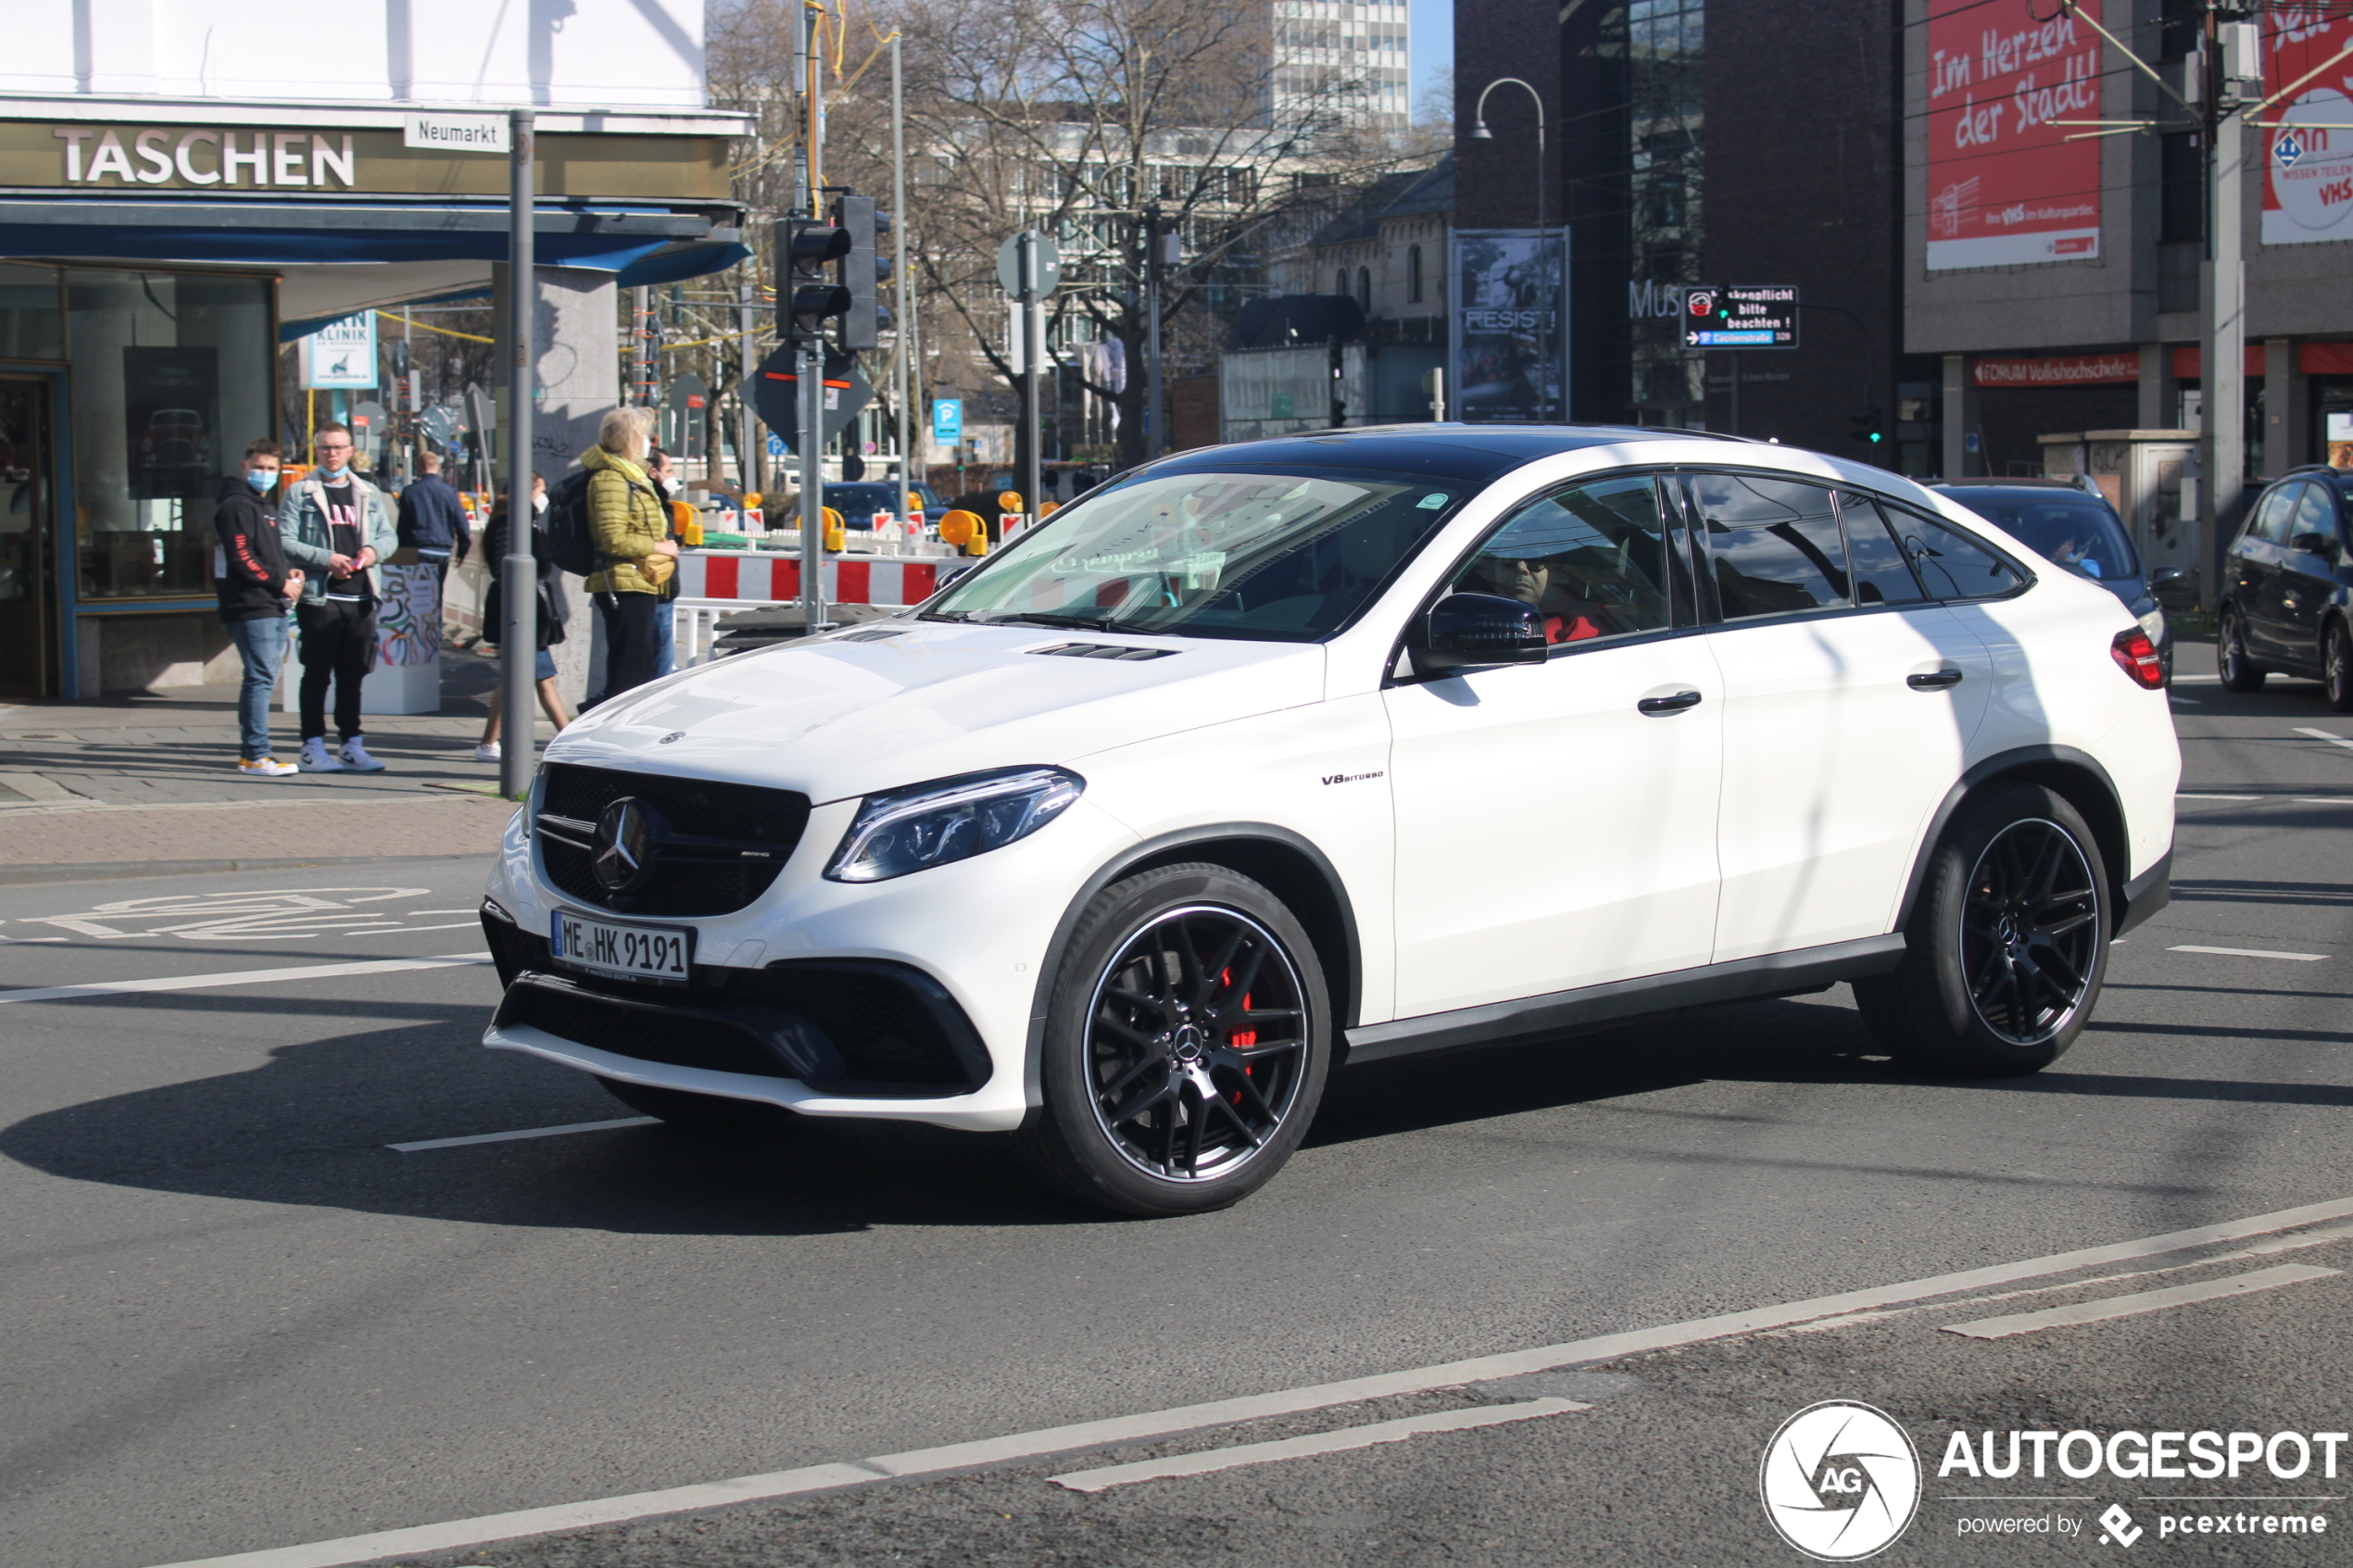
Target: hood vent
879, 634
1102, 651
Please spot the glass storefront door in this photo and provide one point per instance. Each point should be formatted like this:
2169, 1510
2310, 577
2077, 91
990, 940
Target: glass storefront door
28, 535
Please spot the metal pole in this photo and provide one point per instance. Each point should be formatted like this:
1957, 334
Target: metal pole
747, 435
641, 373
1154, 440
902, 376
1033, 348
519, 642
2222, 415
1737, 379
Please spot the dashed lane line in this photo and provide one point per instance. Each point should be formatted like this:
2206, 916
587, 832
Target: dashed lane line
2107, 1307
2248, 953
1371, 1435
1082, 1435
423, 1143
235, 977
2324, 734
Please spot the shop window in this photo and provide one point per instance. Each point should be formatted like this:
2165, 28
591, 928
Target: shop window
172, 375
31, 317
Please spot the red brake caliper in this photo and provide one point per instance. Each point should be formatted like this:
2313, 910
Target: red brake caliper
1240, 1039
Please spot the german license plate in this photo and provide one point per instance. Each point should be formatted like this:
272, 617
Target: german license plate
610, 947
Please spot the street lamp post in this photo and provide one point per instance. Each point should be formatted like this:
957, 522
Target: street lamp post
1481, 133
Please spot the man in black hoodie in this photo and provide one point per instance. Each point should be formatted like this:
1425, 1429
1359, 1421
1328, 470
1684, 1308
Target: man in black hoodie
256, 588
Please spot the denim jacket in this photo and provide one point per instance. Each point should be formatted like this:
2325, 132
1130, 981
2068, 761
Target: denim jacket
302, 529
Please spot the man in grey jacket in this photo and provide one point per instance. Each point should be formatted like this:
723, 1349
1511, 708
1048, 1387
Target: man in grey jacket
338, 528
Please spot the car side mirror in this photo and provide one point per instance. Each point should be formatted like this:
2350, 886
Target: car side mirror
1475, 631
2313, 544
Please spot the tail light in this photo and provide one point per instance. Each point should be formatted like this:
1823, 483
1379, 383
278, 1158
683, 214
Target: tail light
2138, 658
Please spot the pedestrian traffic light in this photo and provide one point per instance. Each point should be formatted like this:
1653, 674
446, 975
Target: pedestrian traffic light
805, 248
861, 268
1870, 427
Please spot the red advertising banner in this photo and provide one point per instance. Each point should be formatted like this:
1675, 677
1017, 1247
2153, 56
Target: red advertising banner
2005, 184
2071, 369
2308, 152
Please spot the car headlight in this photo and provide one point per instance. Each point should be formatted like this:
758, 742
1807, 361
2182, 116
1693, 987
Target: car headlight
908, 830
2154, 624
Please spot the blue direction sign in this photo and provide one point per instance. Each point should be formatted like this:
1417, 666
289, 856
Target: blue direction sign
947, 421
1742, 316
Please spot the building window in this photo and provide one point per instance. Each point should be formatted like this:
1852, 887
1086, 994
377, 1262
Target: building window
172, 374
1365, 290
1414, 275
2181, 187
1339, 285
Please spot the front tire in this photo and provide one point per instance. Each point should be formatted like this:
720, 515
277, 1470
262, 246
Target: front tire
2007, 944
2337, 666
1187, 1036
2239, 672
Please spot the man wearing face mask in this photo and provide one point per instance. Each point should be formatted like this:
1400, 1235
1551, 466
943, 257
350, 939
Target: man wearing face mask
337, 526
256, 588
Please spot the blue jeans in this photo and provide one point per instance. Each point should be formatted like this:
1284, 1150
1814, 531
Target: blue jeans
665, 639
262, 644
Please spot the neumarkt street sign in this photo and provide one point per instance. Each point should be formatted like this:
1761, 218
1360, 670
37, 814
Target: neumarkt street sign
1740, 315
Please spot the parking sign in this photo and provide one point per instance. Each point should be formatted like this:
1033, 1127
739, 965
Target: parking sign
946, 420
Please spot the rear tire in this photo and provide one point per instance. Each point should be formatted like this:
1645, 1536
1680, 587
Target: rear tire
2007, 944
1188, 1036
2337, 666
682, 1109
2239, 672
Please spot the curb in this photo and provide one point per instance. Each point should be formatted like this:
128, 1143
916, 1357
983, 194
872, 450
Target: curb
16, 876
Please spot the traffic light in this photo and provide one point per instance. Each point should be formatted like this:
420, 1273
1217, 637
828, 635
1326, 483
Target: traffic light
861, 268
805, 248
1870, 427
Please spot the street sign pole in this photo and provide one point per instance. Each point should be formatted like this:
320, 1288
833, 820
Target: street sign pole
810, 385
1154, 439
902, 367
519, 641
1033, 340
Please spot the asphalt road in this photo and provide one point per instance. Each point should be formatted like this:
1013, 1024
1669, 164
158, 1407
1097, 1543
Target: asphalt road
238, 1320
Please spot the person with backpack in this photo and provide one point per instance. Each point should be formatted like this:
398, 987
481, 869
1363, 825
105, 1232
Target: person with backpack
256, 588
336, 526
629, 526
553, 611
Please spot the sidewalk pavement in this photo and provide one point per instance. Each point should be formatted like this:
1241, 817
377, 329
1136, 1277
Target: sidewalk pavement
148, 784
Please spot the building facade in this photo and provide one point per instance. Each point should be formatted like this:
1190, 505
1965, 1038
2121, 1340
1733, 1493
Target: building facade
171, 214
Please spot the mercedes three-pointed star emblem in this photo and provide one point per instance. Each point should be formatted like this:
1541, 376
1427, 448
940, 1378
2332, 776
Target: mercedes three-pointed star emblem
622, 852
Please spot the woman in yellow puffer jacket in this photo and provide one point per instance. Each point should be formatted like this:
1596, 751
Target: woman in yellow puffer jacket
631, 527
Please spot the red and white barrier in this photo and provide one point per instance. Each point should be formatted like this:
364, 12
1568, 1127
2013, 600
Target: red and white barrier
773, 577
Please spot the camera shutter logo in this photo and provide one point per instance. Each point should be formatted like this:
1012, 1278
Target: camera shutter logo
1839, 1480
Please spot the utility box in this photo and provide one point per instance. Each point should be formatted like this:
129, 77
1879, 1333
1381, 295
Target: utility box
2150, 477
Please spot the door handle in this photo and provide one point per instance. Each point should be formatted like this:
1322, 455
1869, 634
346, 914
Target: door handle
1935, 681
1659, 707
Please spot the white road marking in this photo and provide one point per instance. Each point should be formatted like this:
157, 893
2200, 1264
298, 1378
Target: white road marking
2109, 1307
1372, 1434
2248, 953
2324, 734
2197, 679
487, 1528
526, 1133
236, 977
2217, 797
2324, 800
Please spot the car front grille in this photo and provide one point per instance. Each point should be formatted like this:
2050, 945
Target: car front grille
765, 824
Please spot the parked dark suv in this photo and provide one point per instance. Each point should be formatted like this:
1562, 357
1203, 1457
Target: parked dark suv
2077, 528
2285, 587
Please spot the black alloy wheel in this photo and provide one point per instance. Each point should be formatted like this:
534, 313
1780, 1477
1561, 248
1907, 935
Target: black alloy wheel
1196, 1044
2030, 932
2239, 672
1188, 1038
2337, 666
2006, 945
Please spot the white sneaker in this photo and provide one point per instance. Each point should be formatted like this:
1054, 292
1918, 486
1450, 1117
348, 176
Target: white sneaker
317, 758
487, 752
355, 757
264, 768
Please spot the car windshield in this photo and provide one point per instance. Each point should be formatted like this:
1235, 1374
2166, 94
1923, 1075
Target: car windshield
2075, 532
858, 499
1283, 557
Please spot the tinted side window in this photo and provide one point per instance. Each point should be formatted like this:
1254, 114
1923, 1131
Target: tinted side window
2315, 518
1953, 565
1882, 574
1591, 559
1773, 544
2271, 513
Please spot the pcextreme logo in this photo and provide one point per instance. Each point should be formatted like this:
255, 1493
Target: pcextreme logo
1840, 1481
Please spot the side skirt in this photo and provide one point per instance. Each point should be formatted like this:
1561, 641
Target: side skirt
1560, 1013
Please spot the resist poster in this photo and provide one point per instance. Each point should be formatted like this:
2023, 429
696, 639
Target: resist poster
2308, 156
2005, 184
1511, 325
